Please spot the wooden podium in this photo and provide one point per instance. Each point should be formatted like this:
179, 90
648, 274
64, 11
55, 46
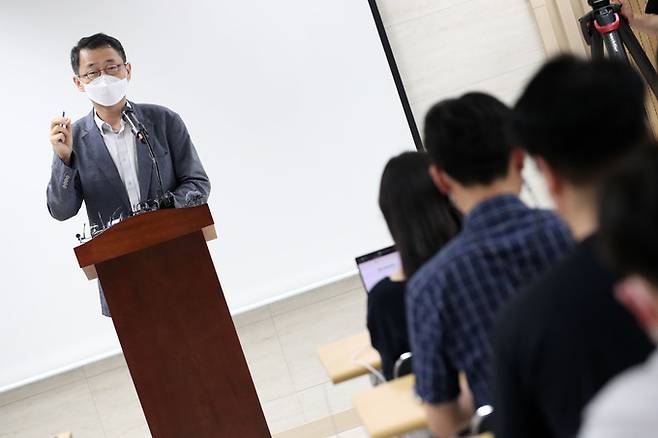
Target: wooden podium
174, 325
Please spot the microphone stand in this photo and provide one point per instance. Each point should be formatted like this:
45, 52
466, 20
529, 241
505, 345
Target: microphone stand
165, 199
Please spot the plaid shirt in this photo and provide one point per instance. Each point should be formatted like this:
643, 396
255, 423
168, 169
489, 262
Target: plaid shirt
452, 301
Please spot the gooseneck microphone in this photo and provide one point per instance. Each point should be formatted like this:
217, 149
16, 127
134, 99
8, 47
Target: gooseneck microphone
165, 199
138, 129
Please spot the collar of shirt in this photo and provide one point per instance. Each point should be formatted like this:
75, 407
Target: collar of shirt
493, 211
106, 127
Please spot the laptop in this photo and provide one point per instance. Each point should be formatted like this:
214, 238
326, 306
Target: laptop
377, 265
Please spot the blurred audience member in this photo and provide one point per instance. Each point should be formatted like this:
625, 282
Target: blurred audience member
453, 299
626, 407
421, 220
565, 336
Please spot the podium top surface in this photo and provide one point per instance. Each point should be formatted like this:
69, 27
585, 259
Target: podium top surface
143, 231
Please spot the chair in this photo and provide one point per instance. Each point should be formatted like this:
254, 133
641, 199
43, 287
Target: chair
482, 420
402, 366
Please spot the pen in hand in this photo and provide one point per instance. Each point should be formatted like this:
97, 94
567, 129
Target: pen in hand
62, 125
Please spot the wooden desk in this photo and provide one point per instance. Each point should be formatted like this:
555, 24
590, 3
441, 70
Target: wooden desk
340, 358
390, 409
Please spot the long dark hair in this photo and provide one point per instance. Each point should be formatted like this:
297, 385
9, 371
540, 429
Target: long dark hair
420, 218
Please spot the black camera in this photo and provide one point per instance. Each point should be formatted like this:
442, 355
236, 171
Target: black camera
608, 32
652, 7
596, 4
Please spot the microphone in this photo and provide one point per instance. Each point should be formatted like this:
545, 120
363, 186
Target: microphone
138, 129
165, 199
81, 237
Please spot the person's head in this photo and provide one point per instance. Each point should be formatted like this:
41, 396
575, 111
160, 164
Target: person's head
578, 118
628, 220
100, 68
420, 218
468, 142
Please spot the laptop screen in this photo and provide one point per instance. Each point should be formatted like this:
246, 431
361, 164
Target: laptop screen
378, 265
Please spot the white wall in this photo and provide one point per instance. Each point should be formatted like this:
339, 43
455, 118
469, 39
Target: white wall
445, 48
293, 111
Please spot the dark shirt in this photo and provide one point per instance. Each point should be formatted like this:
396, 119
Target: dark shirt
557, 344
387, 322
453, 299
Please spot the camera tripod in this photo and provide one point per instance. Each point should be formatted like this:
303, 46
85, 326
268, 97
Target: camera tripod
606, 26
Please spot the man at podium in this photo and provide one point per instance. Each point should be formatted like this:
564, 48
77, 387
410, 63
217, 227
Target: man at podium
99, 160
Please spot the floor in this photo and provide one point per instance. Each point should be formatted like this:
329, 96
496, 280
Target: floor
279, 341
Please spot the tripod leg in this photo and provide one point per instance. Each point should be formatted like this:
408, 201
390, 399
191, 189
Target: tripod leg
640, 57
597, 46
614, 46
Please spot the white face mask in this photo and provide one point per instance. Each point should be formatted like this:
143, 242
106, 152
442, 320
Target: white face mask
107, 90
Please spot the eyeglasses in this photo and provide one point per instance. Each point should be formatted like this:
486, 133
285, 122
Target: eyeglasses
111, 70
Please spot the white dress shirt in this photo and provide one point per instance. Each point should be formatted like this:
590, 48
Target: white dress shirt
627, 407
122, 147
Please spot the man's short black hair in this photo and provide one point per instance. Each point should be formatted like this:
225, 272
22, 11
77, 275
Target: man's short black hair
581, 116
467, 138
94, 42
628, 215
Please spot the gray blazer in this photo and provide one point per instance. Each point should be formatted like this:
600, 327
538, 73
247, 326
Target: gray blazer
93, 178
